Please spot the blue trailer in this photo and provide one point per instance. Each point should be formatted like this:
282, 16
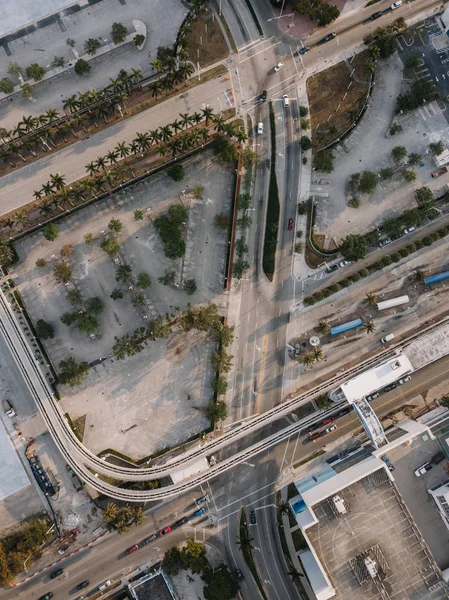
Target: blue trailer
436, 278
346, 326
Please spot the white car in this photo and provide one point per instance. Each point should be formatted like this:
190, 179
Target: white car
423, 469
278, 67
105, 585
408, 230
344, 263
404, 380
259, 128
396, 5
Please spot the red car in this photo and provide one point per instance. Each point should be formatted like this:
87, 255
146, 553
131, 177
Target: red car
314, 436
329, 420
290, 224
164, 531
132, 549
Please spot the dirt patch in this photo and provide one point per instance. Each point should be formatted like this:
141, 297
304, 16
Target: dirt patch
78, 426
181, 344
336, 99
205, 41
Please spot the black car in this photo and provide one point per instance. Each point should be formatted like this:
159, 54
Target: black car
326, 38
180, 522
312, 427
344, 412
376, 15
389, 387
263, 96
252, 517
239, 575
304, 49
150, 539
48, 596
56, 573
82, 585
331, 268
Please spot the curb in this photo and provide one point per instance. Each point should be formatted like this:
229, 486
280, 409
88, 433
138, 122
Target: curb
56, 562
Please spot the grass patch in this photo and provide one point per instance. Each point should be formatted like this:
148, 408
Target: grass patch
205, 41
272, 222
327, 90
306, 460
246, 550
79, 426
298, 540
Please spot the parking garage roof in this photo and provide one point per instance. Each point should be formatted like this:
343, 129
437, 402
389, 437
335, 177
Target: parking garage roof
377, 517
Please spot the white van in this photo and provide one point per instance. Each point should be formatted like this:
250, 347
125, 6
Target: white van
285, 100
387, 338
339, 505
259, 128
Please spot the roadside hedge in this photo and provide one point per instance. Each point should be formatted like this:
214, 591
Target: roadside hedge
385, 261
273, 209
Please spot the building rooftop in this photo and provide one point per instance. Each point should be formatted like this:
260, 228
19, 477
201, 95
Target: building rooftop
378, 377
377, 524
429, 347
152, 587
13, 476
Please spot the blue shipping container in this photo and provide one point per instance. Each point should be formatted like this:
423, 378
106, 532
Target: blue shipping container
346, 326
436, 278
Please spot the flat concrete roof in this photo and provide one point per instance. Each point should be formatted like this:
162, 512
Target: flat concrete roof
377, 518
154, 588
17, 13
428, 348
13, 476
378, 377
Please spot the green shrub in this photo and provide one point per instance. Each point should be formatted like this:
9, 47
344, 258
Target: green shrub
411, 247
309, 300
395, 257
345, 283
377, 266
335, 287
318, 296
326, 293
363, 272
354, 277
386, 260
404, 252
443, 232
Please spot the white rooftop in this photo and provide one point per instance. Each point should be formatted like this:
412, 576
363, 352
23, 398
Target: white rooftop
378, 377
429, 347
13, 476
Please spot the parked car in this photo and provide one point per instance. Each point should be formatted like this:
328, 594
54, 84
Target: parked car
314, 436
278, 67
344, 263
376, 15
47, 596
396, 5
304, 49
373, 396
331, 428
252, 517
63, 549
387, 461
56, 573
150, 539
164, 531
422, 470
408, 230
181, 522
390, 387
290, 224
326, 38
132, 549
105, 585
328, 420
297, 348
285, 100
239, 575
404, 380
259, 128
199, 512
331, 268
313, 427
264, 95
82, 585
202, 500
343, 412
385, 242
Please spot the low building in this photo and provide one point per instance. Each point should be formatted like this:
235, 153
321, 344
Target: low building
152, 586
362, 538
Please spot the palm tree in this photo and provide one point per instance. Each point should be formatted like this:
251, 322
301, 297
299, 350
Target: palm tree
228, 129
46, 208
58, 181
154, 136
241, 136
155, 88
244, 542
48, 188
177, 77
162, 149
70, 127
123, 97
5, 155
308, 359
110, 514
372, 299
374, 50
166, 133
283, 507
112, 157
38, 194
322, 327
157, 65
122, 150
84, 100
29, 123
136, 76
92, 168
196, 118
101, 163
63, 199
143, 141
203, 133
52, 115
186, 119
175, 146
219, 123
317, 354
138, 516
166, 83
134, 148
21, 217
295, 575
177, 126
195, 137
77, 196
369, 326
102, 112
7, 223
116, 84
208, 114
71, 104
186, 69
